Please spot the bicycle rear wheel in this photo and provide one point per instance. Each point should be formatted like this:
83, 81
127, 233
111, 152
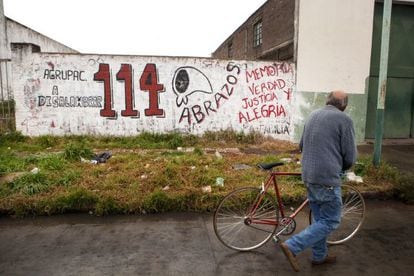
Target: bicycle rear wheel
239, 230
352, 215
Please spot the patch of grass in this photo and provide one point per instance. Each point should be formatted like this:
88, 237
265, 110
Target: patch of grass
75, 200
30, 184
148, 174
68, 178
404, 189
12, 137
107, 205
10, 162
46, 141
77, 150
52, 162
231, 136
158, 202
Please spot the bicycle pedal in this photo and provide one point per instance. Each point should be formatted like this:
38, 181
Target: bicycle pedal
276, 239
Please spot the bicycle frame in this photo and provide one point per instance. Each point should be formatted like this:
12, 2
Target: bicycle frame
248, 209
272, 180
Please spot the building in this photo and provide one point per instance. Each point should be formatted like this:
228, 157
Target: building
335, 44
267, 34
13, 36
267, 76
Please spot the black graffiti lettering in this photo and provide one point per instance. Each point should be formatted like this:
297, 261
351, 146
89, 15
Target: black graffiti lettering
198, 114
185, 114
228, 90
44, 101
98, 101
231, 66
207, 106
218, 97
71, 75
55, 101
231, 79
80, 75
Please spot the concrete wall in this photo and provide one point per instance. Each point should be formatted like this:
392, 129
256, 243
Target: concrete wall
333, 52
61, 94
18, 33
334, 45
4, 46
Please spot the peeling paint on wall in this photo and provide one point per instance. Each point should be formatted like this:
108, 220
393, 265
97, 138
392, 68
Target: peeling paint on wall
60, 94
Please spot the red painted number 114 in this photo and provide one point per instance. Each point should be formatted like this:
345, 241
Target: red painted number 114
148, 83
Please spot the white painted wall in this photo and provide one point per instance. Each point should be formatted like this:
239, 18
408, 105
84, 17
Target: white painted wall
334, 45
219, 94
4, 47
18, 33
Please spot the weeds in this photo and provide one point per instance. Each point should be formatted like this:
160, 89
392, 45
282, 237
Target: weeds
30, 184
77, 150
148, 173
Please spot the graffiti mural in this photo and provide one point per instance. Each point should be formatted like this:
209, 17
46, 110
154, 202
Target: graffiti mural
117, 95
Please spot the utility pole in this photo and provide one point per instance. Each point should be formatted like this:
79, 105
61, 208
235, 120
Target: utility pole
382, 80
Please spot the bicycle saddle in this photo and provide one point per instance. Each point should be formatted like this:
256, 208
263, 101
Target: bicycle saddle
269, 166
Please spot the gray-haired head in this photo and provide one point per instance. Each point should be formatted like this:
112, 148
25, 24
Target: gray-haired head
338, 98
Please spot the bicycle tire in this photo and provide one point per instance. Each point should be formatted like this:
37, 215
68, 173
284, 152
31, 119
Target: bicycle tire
352, 215
232, 225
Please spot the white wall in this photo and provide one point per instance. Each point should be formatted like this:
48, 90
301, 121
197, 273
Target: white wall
18, 33
60, 94
4, 47
334, 45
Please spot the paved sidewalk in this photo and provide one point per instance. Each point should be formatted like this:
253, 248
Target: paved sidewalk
399, 153
185, 244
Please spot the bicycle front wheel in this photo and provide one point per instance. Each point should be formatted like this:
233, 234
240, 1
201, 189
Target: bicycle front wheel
352, 215
246, 219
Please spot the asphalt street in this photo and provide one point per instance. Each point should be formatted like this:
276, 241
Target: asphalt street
185, 244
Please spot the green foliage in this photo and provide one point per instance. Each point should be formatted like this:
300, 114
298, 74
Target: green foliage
77, 150
46, 141
133, 181
9, 162
12, 137
198, 151
68, 178
404, 189
52, 162
78, 199
363, 165
106, 206
158, 201
233, 136
30, 183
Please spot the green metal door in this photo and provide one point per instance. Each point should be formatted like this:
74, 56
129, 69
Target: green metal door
399, 102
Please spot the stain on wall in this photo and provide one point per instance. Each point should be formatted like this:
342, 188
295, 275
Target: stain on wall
62, 94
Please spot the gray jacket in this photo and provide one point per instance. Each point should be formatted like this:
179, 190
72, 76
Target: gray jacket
328, 146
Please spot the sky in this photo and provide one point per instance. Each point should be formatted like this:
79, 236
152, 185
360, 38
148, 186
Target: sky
135, 27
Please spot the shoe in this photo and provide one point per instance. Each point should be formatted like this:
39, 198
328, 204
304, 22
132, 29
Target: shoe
327, 260
289, 255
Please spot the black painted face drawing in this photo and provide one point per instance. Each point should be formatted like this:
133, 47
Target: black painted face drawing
182, 81
189, 80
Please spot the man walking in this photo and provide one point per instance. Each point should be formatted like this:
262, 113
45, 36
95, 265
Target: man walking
328, 148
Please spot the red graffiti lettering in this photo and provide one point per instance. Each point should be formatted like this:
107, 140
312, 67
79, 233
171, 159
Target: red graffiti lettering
104, 75
149, 82
266, 111
125, 74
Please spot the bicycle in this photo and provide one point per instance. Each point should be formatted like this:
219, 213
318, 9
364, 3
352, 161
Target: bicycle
248, 217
